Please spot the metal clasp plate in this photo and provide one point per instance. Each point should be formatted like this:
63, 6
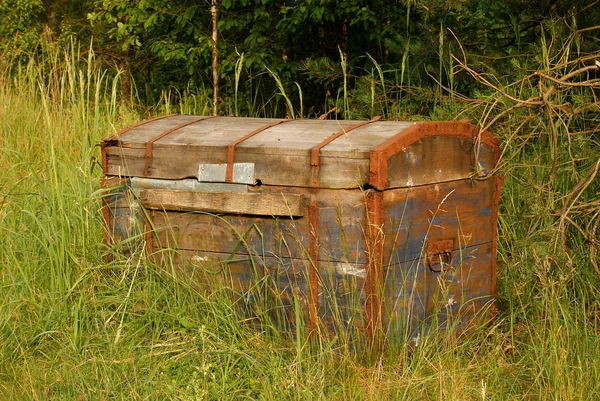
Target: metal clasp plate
243, 173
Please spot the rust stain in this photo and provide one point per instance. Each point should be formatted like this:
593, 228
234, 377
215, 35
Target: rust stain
232, 145
316, 150
378, 174
499, 181
104, 158
313, 213
374, 278
149, 235
150, 143
106, 218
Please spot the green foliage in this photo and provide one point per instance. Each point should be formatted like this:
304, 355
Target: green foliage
161, 45
19, 23
27, 24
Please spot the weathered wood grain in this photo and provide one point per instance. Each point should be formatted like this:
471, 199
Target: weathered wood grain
270, 169
146, 131
231, 234
339, 228
261, 204
412, 168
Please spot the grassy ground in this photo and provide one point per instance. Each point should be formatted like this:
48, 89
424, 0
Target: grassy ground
75, 326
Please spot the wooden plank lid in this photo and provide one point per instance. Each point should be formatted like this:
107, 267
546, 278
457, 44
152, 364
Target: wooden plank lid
304, 153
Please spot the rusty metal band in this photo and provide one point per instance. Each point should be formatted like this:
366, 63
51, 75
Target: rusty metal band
104, 158
149, 235
313, 273
150, 143
232, 145
378, 168
107, 141
129, 128
374, 268
106, 220
499, 181
315, 153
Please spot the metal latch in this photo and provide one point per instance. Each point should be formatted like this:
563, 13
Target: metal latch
440, 255
243, 173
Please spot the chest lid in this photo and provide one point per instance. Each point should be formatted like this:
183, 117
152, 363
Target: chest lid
301, 153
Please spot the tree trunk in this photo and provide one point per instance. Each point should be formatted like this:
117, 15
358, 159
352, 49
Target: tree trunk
215, 58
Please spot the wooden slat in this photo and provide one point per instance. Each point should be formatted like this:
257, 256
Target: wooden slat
294, 137
224, 202
340, 228
432, 160
270, 169
140, 133
220, 132
368, 136
283, 237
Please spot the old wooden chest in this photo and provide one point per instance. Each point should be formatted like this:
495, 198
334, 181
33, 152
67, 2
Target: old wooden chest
378, 226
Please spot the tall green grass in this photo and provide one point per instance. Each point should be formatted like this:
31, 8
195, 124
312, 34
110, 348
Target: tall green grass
76, 326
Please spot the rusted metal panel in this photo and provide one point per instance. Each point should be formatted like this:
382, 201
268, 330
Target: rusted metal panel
379, 176
462, 211
387, 236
